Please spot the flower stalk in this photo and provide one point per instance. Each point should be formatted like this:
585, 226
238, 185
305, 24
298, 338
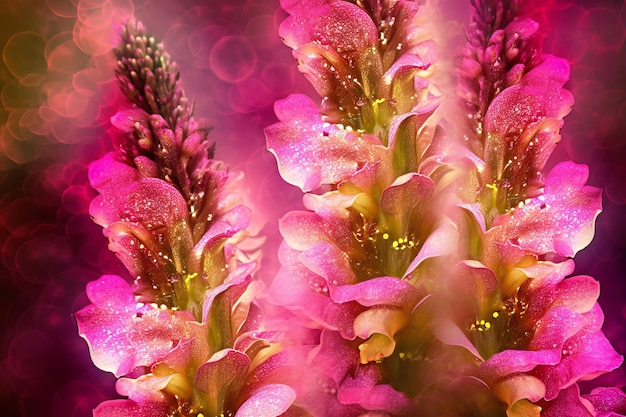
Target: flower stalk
186, 337
437, 265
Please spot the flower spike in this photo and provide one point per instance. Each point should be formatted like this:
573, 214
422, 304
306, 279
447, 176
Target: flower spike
175, 218
405, 222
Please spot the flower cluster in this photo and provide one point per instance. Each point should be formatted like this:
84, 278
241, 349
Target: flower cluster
430, 272
534, 332
432, 259
186, 337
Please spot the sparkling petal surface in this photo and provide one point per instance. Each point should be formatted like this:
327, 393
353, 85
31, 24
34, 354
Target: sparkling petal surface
122, 334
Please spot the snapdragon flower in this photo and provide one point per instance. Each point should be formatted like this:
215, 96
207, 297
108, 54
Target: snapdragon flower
532, 332
359, 264
435, 267
186, 337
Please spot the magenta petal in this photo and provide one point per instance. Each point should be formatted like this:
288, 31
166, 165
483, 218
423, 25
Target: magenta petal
332, 363
331, 204
509, 362
129, 408
310, 153
579, 294
270, 400
146, 388
178, 358
108, 174
235, 284
123, 241
523, 122
334, 357
314, 61
341, 25
545, 273
561, 220
538, 96
585, 356
127, 196
476, 280
408, 62
306, 293
233, 221
475, 210
362, 389
146, 166
356, 384
382, 290
440, 242
328, 261
153, 201
122, 334
285, 365
607, 401
125, 119
302, 229
568, 403
408, 196
556, 326
451, 334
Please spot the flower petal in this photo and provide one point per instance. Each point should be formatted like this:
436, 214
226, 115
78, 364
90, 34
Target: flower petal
122, 334
128, 196
125, 119
343, 26
362, 388
568, 403
129, 408
560, 221
311, 153
382, 290
519, 387
585, 356
607, 401
306, 294
451, 334
271, 400
378, 326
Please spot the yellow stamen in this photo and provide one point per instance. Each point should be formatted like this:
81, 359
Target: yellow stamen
189, 277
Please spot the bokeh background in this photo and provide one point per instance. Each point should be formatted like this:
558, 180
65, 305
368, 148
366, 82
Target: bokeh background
57, 92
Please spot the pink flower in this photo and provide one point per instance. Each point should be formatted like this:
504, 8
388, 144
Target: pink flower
312, 153
514, 101
124, 334
532, 332
353, 266
187, 336
158, 349
608, 402
338, 385
381, 255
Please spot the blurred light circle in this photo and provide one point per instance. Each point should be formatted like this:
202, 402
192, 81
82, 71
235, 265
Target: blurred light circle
604, 29
43, 256
199, 44
23, 55
233, 59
